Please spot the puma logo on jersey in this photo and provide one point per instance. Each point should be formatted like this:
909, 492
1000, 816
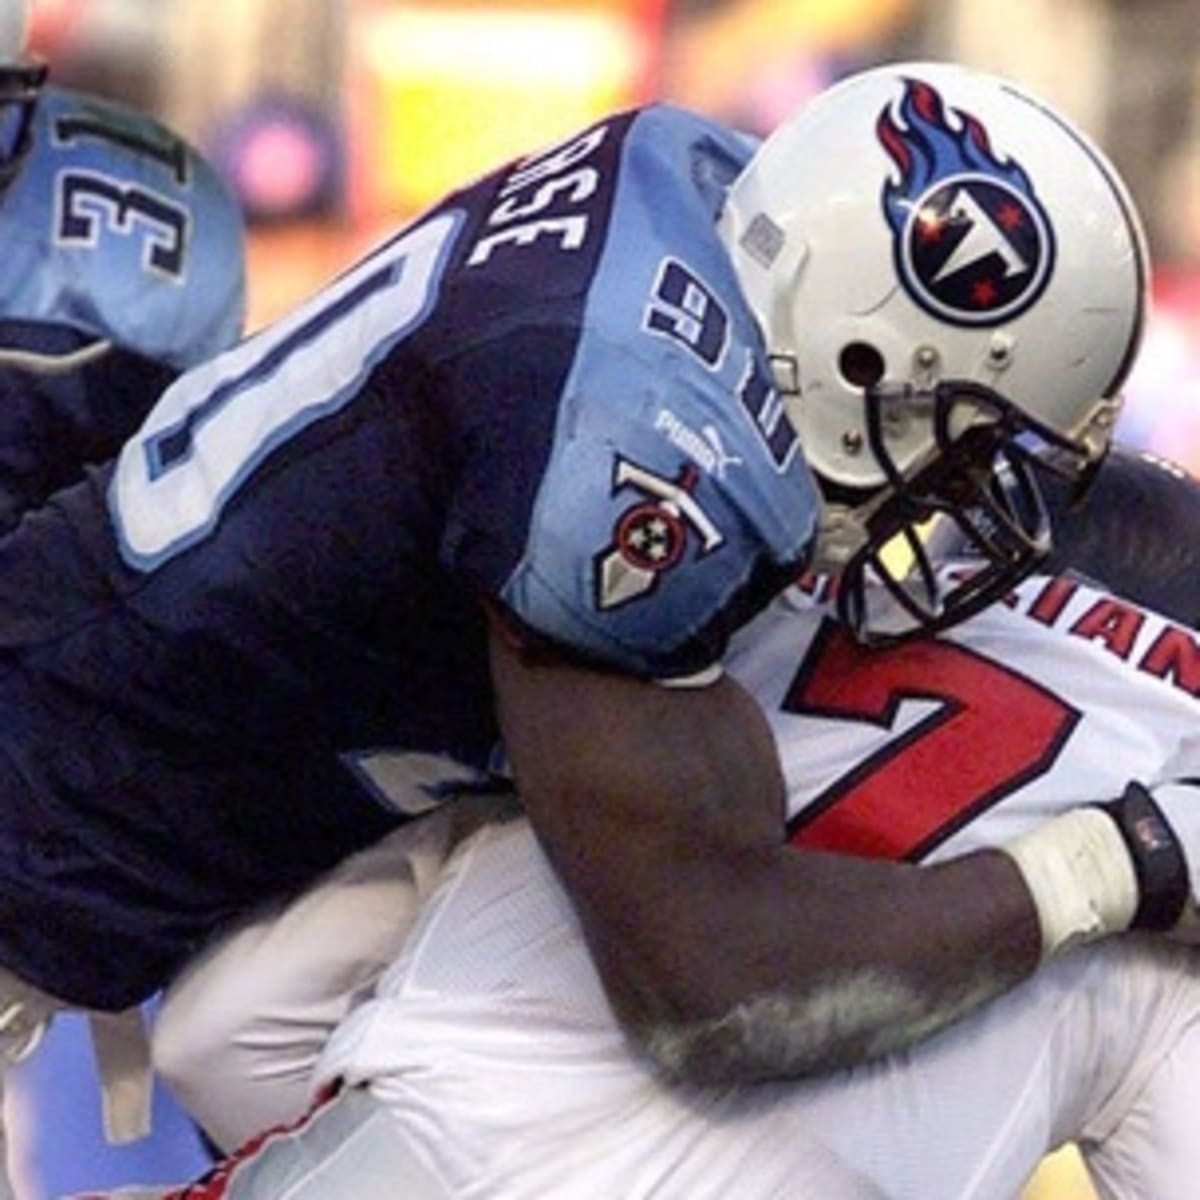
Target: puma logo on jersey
705, 447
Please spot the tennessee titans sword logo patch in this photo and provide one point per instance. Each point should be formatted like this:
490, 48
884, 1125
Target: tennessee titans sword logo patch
651, 534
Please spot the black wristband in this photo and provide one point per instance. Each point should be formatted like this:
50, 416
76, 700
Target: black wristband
1158, 861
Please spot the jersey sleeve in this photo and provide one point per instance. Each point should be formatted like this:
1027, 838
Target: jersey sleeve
1135, 532
632, 487
643, 528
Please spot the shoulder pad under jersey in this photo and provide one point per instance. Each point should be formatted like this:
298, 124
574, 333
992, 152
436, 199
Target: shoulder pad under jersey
676, 496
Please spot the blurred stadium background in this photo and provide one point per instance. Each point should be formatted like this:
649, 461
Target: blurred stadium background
336, 119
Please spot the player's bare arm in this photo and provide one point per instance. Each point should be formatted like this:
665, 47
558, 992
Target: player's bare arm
730, 954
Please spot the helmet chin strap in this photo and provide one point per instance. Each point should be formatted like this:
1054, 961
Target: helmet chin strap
841, 533
1096, 433
843, 528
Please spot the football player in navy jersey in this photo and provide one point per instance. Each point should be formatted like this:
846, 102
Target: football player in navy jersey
519, 473
124, 265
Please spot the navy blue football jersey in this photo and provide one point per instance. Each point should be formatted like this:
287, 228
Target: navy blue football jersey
546, 394
124, 263
1136, 532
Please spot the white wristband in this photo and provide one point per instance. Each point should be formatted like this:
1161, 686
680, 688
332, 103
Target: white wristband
1080, 875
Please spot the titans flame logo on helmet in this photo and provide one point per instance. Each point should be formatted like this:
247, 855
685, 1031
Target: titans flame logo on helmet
973, 245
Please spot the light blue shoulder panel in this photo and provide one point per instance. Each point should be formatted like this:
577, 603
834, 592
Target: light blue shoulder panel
675, 472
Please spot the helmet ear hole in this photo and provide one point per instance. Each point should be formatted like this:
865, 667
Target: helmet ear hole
861, 365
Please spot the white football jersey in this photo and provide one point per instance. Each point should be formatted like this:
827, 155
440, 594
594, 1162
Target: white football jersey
938, 746
491, 1042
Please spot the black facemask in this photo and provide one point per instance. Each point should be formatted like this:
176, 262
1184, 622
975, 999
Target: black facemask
980, 493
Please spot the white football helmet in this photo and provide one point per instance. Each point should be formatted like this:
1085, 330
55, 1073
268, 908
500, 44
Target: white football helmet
951, 282
21, 79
